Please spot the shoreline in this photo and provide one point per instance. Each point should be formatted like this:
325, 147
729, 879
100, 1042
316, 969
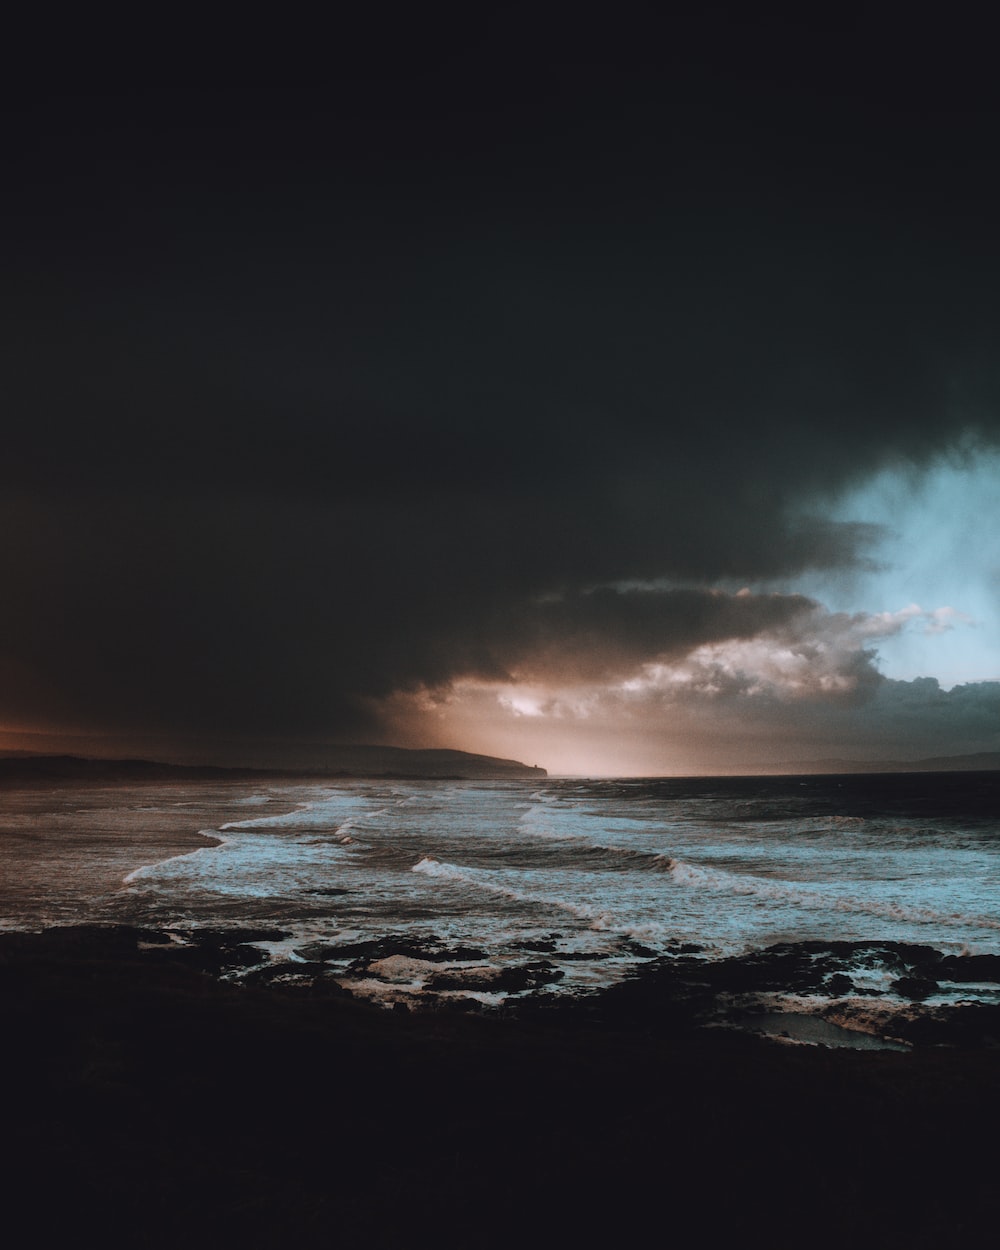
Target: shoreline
157, 1103
794, 992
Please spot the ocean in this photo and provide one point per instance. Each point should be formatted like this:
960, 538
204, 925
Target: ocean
497, 891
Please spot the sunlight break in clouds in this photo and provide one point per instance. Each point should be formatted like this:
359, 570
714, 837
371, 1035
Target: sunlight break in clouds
807, 688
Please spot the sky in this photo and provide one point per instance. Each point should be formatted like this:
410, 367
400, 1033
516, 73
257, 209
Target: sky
616, 404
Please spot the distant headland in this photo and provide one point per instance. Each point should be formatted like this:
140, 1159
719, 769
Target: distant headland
979, 761
341, 762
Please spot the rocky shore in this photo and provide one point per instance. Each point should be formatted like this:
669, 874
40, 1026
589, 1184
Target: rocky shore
149, 1103
851, 993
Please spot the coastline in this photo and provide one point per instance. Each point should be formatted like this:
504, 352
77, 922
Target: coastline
157, 1103
859, 994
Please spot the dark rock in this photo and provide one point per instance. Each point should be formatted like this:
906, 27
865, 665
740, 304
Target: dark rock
512, 980
462, 979
383, 948
528, 976
213, 959
975, 1025
457, 954
79, 942
965, 968
225, 938
914, 987
348, 950
318, 951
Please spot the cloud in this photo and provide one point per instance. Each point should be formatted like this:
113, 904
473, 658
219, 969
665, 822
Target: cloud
802, 689
606, 633
312, 404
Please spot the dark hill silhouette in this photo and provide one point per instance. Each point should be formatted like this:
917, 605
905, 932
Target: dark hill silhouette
342, 762
979, 761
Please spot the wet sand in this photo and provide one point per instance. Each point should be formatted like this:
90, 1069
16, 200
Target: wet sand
149, 1104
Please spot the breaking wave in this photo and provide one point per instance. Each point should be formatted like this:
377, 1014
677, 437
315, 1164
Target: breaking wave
720, 881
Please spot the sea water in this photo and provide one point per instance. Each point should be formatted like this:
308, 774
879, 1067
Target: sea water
601, 876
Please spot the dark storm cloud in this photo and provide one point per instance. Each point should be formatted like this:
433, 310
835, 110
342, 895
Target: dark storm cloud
315, 396
608, 634
884, 720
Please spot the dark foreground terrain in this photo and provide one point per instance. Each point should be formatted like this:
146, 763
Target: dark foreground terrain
147, 1104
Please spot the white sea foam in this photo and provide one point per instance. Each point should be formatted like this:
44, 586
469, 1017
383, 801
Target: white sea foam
595, 916
568, 868
326, 813
150, 870
540, 825
823, 900
477, 878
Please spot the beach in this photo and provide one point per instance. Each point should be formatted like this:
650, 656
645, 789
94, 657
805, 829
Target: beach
398, 1012
148, 1103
